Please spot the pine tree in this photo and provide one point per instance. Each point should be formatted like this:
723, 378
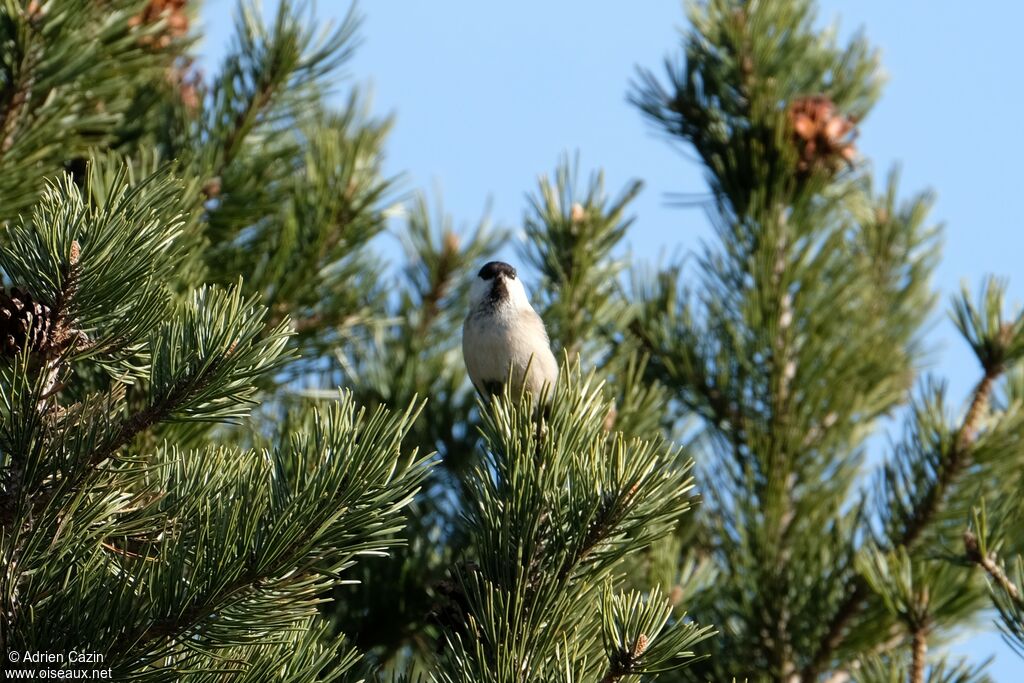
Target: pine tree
799, 332
191, 268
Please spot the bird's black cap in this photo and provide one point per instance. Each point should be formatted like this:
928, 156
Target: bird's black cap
492, 269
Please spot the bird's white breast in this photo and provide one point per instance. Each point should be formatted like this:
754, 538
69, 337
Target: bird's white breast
508, 337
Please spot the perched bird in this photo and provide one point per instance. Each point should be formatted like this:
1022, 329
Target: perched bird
503, 333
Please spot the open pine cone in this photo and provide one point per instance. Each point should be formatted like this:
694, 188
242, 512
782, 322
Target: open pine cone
23, 322
823, 136
177, 20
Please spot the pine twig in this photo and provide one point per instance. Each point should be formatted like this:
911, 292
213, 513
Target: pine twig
173, 627
63, 333
54, 362
63, 308
715, 407
17, 96
918, 652
243, 123
623, 665
152, 414
957, 460
991, 566
127, 553
608, 517
121, 435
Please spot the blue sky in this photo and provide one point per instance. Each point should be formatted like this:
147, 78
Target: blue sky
489, 95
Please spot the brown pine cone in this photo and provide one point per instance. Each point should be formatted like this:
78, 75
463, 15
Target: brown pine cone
23, 322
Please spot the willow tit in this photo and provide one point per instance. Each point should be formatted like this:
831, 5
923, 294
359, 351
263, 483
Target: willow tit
503, 334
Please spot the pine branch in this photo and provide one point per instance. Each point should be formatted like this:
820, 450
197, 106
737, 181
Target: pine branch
151, 415
119, 437
712, 403
15, 96
441, 282
52, 364
251, 582
956, 461
991, 566
272, 68
244, 120
19, 86
599, 530
623, 667
919, 649
179, 624
71, 275
63, 332
294, 520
